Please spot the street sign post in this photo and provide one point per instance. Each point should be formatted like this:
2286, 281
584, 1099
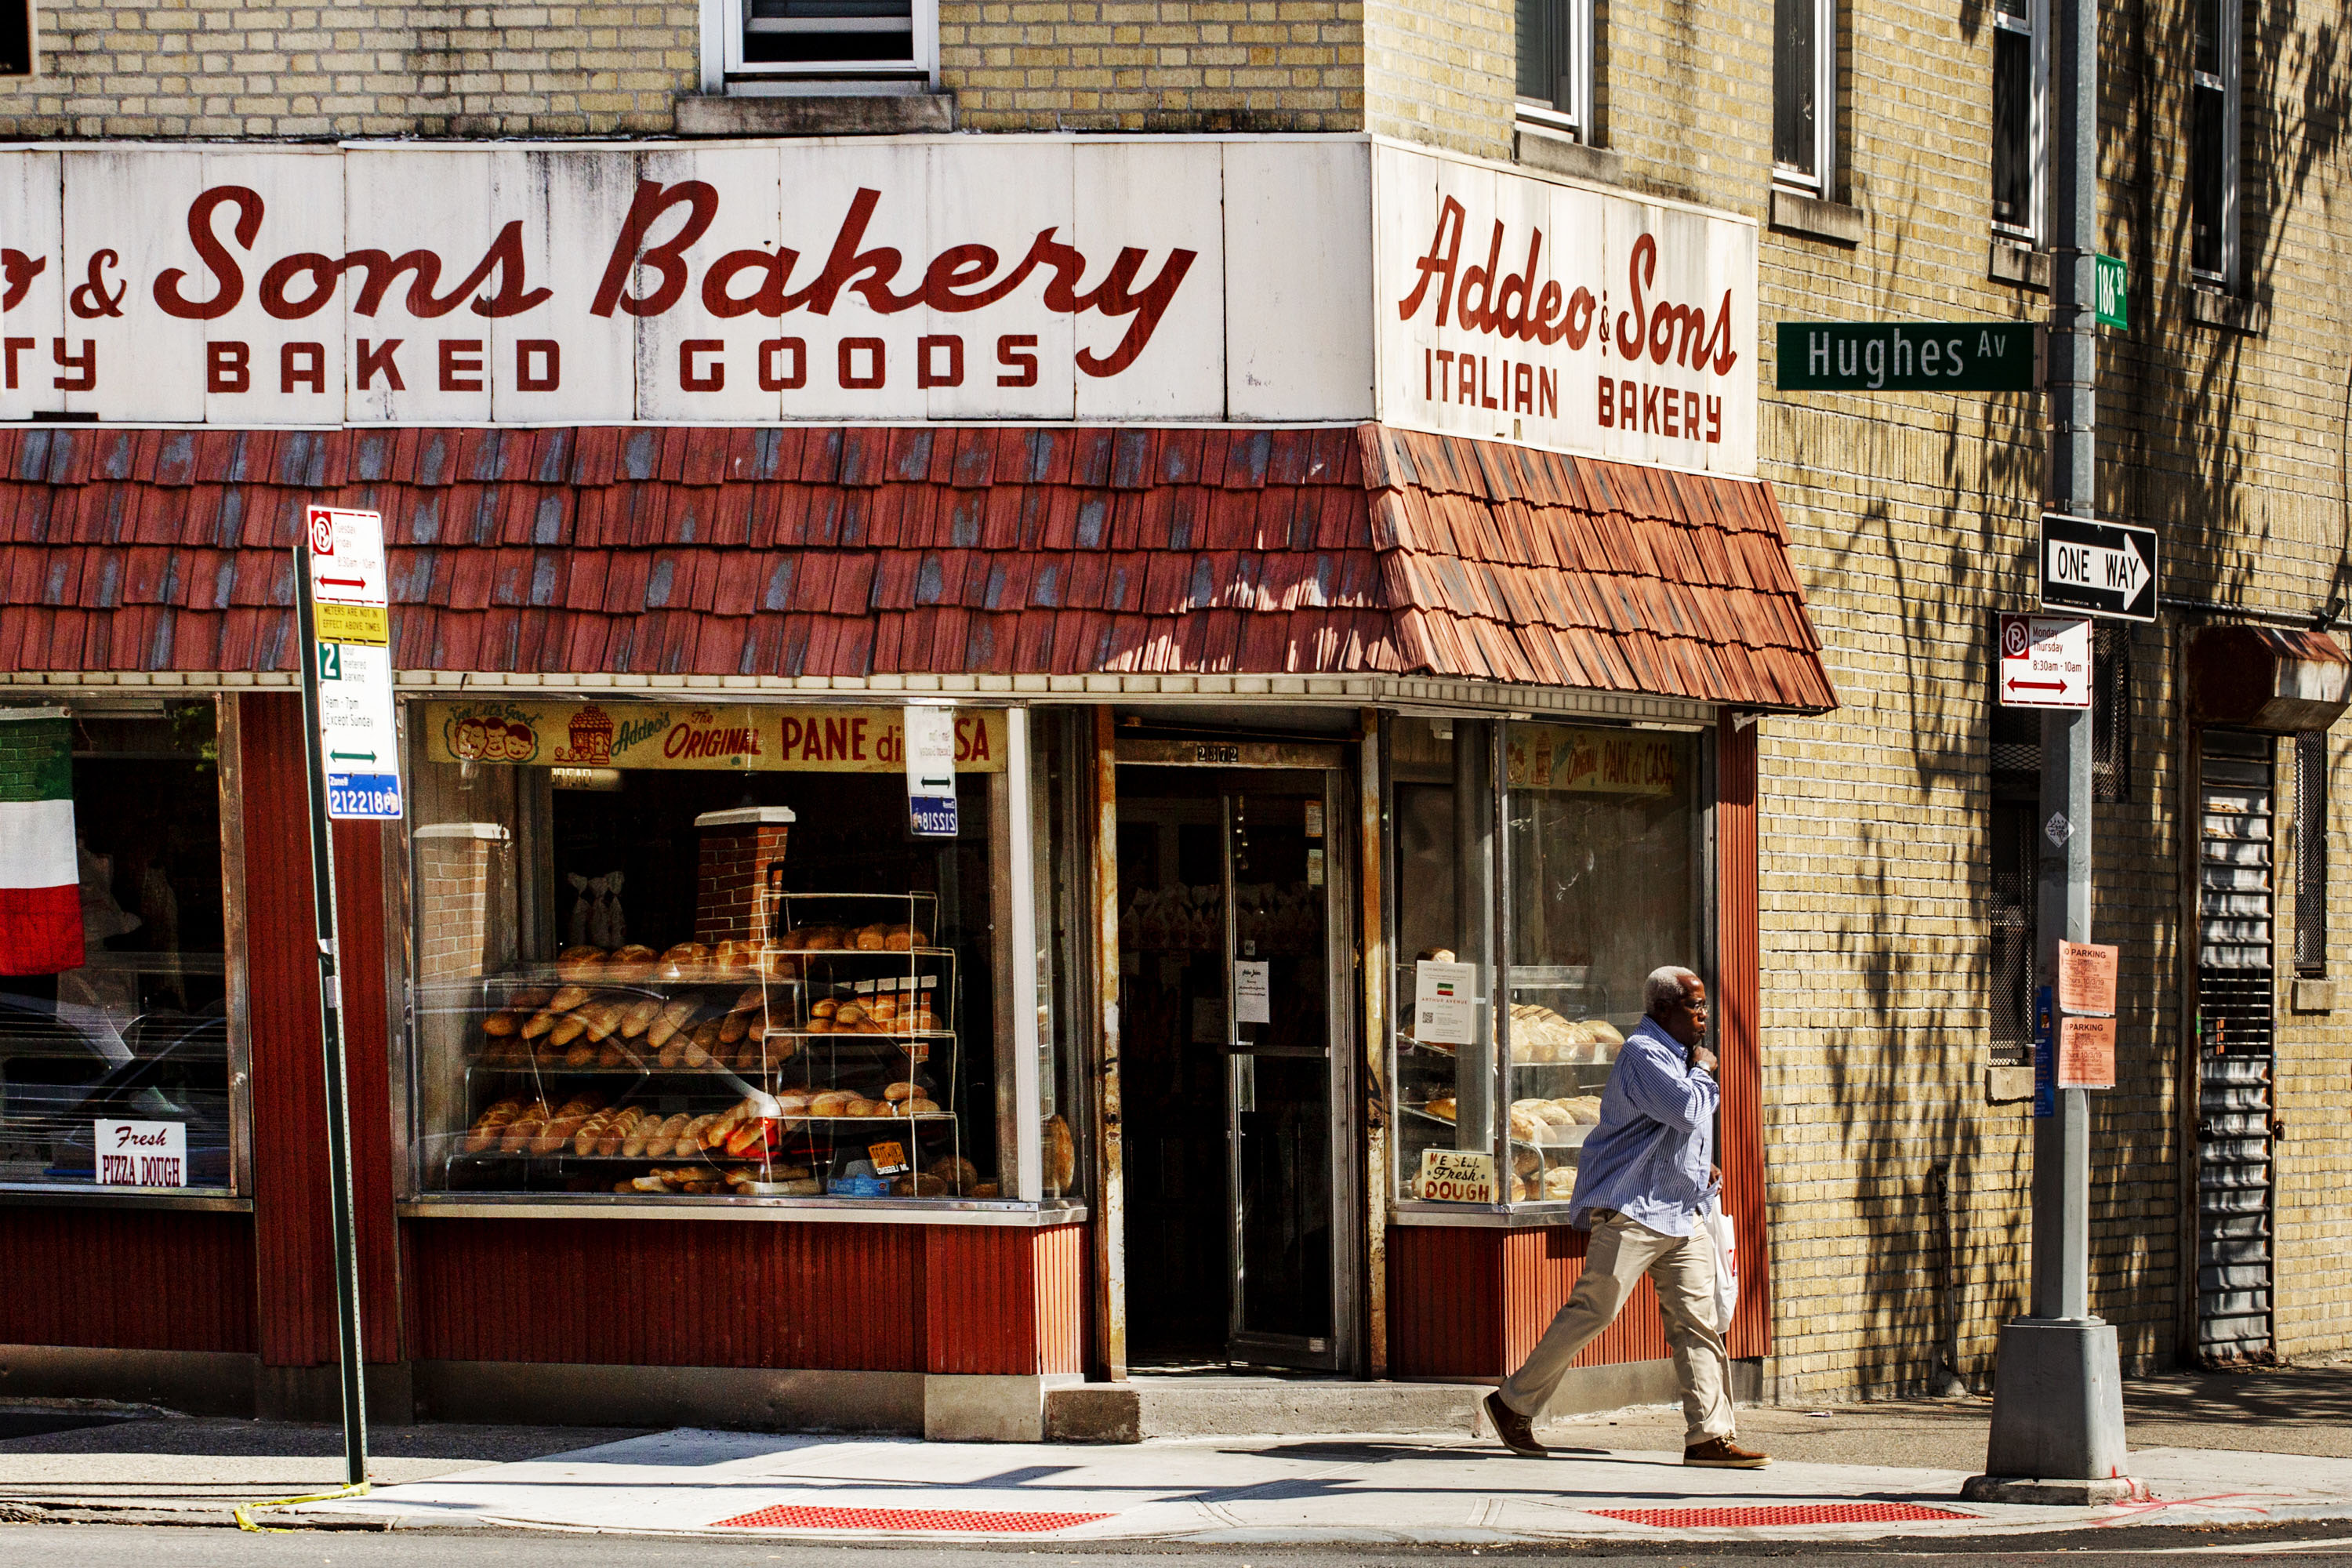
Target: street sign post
1907, 356
2098, 568
2045, 661
355, 774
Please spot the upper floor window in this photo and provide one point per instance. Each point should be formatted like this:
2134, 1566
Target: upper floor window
2019, 70
1804, 93
2311, 852
1555, 76
2213, 143
820, 41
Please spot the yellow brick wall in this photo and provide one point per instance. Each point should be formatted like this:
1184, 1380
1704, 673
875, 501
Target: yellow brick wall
210, 69
1155, 65
1441, 72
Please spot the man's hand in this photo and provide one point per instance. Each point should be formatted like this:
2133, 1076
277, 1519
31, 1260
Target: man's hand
1703, 1058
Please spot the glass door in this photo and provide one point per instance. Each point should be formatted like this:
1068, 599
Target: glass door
1279, 1094
1236, 965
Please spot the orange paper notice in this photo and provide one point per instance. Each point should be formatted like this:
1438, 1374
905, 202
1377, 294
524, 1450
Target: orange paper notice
2086, 978
2086, 1053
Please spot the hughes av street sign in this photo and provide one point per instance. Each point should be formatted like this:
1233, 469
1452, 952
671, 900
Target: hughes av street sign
1907, 356
2098, 568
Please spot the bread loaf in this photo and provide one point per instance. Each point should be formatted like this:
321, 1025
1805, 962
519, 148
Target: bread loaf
491, 1125
499, 1026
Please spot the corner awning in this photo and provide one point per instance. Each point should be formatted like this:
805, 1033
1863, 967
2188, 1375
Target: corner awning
855, 551
2267, 679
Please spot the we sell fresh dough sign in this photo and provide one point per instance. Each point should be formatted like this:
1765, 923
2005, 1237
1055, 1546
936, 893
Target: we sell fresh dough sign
999, 278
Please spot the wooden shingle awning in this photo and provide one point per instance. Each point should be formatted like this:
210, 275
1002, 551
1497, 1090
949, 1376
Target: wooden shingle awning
855, 551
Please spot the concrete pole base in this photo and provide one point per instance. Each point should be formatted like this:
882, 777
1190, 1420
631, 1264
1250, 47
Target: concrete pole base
2052, 1494
2057, 1417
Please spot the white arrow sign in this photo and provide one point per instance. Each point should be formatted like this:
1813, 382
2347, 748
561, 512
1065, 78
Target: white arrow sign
2097, 568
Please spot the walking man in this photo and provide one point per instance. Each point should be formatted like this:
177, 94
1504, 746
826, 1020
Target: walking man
1645, 1175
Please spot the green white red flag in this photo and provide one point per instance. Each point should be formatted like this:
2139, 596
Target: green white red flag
40, 880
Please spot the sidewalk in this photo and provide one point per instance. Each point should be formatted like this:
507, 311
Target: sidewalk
2263, 1449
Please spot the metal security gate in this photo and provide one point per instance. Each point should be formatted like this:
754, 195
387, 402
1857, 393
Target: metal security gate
2235, 998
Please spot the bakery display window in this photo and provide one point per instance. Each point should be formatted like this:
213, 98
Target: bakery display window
1441, 810
1605, 860
1576, 851
117, 990
680, 951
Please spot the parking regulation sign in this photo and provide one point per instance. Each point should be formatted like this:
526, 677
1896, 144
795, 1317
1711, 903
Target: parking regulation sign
2045, 661
350, 667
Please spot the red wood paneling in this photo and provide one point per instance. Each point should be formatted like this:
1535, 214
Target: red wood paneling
670, 1292
1737, 1010
293, 1242
1541, 1267
1445, 1306
135, 1279
980, 1287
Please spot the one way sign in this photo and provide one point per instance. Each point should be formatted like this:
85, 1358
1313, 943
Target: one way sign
2098, 568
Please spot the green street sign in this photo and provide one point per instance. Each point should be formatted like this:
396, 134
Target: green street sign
2113, 311
1907, 356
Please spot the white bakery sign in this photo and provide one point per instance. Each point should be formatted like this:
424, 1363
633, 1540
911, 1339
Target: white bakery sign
1562, 316
1297, 280
960, 278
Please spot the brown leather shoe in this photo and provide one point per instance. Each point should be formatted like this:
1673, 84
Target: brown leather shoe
1723, 1453
1517, 1432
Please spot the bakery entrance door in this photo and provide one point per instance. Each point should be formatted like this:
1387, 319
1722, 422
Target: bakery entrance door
1235, 959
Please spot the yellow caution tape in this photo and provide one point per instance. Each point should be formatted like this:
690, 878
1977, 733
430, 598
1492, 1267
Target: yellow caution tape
245, 1512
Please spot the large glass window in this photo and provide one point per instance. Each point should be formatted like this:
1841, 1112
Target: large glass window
1602, 861
667, 950
114, 983
815, 41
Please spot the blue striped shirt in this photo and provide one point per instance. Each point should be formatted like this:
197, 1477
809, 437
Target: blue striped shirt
1650, 1158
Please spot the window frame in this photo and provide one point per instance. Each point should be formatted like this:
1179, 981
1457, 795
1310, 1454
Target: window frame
1029, 1046
725, 68
2035, 27
1820, 181
1576, 118
236, 989
2228, 47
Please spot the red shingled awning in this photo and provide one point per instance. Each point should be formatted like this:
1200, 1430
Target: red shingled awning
839, 552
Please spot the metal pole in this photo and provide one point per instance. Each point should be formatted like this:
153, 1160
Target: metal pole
2057, 1397
331, 1035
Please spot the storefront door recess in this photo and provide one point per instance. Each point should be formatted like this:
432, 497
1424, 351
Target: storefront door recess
2236, 1114
1234, 962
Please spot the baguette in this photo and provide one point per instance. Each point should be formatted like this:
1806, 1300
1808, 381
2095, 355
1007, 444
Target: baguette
539, 1023
733, 1027
530, 998
492, 1125
662, 1138
568, 997
617, 1131
640, 1016
673, 1019
568, 1028
524, 1128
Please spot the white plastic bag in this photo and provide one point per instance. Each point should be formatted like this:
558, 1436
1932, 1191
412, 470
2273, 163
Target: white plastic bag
1727, 1261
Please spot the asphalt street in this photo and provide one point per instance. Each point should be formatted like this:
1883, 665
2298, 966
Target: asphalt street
107, 1546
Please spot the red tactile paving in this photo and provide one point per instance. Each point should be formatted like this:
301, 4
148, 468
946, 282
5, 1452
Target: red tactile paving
853, 552
795, 1516
1767, 1515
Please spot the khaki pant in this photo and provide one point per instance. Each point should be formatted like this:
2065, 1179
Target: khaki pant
1683, 1270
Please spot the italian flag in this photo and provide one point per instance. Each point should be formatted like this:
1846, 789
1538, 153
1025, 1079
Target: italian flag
40, 882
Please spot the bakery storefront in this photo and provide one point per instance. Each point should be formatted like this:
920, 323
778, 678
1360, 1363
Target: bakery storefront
1344, 719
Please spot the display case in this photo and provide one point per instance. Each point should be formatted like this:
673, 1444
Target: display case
1578, 850
830, 1029
820, 1059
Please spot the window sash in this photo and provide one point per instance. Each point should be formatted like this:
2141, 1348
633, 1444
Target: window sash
2311, 852
1804, 94
2214, 112
2021, 76
1554, 72
822, 38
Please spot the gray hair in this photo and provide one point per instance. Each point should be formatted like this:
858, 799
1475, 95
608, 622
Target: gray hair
1666, 987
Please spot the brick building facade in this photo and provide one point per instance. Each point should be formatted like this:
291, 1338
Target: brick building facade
1893, 1171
